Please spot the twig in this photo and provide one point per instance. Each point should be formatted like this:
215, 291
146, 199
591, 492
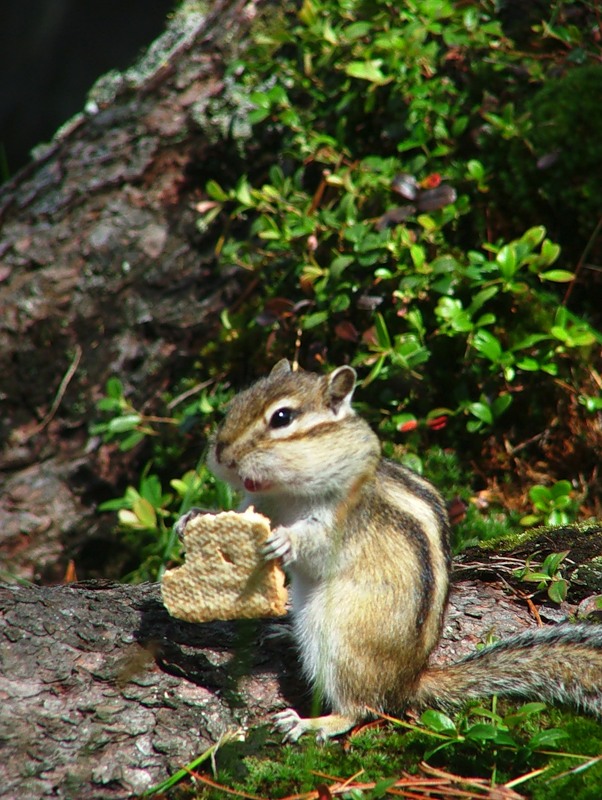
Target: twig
527, 598
59, 395
215, 785
579, 768
580, 264
185, 395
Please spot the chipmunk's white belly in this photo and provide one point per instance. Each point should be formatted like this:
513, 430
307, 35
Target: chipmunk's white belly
319, 629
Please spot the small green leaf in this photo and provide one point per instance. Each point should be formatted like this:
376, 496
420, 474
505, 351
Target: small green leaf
549, 738
215, 191
533, 237
482, 412
114, 388
150, 489
557, 591
529, 520
129, 442
260, 99
357, 30
501, 403
242, 193
528, 364
549, 252
521, 714
475, 170
592, 404
382, 334
339, 303
381, 788
485, 319
145, 512
530, 340
480, 298
257, 115
109, 404
438, 722
313, 320
418, 255
540, 494
180, 487
506, 260
339, 264
112, 505
482, 732
368, 71
128, 519
268, 230
487, 344
126, 423
557, 276
553, 561
561, 488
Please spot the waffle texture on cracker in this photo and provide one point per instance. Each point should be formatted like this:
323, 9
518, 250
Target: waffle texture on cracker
224, 575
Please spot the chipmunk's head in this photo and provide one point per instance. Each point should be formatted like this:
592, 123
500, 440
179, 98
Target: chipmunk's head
294, 433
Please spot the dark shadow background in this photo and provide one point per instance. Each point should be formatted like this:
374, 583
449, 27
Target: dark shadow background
52, 52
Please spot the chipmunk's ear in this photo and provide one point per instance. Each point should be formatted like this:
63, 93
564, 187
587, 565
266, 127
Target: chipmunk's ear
281, 368
341, 383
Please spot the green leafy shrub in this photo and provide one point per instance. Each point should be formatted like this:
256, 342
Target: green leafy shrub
366, 225
147, 512
547, 576
367, 99
553, 505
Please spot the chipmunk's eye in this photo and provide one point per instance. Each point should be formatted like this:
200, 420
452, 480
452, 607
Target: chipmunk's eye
282, 417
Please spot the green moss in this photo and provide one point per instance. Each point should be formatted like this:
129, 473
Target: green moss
566, 777
552, 535
262, 766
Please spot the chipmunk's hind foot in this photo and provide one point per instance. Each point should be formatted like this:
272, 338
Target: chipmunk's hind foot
292, 726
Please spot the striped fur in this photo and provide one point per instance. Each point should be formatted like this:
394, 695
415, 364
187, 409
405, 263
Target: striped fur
366, 545
561, 665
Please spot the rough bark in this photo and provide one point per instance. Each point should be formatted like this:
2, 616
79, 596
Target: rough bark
103, 272
103, 695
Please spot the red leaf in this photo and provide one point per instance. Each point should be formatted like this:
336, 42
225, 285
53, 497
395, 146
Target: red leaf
408, 426
431, 181
346, 330
437, 423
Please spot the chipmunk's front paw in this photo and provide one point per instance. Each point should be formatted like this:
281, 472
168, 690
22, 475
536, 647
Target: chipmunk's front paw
183, 521
279, 545
290, 724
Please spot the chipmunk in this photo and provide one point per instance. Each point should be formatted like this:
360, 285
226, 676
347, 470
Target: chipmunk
365, 542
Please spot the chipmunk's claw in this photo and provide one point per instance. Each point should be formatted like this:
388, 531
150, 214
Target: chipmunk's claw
183, 521
290, 724
279, 545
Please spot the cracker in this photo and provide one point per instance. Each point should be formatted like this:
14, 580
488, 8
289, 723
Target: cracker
224, 575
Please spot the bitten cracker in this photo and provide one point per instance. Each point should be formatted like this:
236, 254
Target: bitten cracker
224, 575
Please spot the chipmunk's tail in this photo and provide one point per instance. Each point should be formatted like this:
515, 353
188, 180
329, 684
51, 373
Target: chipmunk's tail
561, 665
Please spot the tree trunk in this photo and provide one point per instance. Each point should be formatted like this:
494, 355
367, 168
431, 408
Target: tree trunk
102, 271
103, 694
